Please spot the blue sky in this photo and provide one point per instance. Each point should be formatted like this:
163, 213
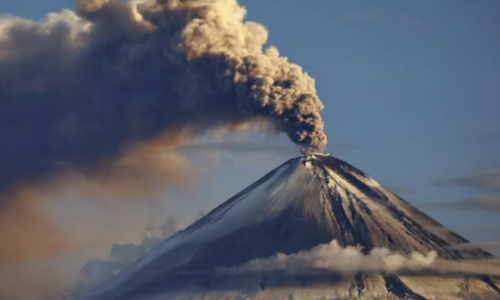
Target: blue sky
414, 84
411, 92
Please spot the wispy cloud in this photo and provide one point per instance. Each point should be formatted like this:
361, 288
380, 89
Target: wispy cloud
487, 245
486, 203
485, 179
489, 203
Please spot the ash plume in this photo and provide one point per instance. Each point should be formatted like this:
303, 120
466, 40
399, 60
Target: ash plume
83, 88
92, 99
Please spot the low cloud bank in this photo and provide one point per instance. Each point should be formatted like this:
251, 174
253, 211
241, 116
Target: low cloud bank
347, 261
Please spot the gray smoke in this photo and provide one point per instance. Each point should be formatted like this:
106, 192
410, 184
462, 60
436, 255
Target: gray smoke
82, 88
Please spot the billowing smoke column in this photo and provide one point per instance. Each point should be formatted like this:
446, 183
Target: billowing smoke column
81, 88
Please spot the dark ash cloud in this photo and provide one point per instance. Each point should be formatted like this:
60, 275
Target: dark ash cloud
96, 95
84, 88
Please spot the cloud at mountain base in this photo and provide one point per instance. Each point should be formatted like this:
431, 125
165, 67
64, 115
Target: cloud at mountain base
349, 261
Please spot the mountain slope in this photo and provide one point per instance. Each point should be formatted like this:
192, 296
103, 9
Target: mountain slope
305, 202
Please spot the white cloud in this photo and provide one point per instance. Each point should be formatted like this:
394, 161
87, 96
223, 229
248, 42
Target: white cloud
333, 258
350, 260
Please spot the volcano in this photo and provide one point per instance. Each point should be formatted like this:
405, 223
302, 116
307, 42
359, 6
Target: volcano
308, 201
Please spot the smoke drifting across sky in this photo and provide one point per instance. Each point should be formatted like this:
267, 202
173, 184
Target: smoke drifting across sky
82, 89
97, 101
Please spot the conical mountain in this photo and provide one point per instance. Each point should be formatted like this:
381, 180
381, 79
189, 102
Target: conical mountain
306, 202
